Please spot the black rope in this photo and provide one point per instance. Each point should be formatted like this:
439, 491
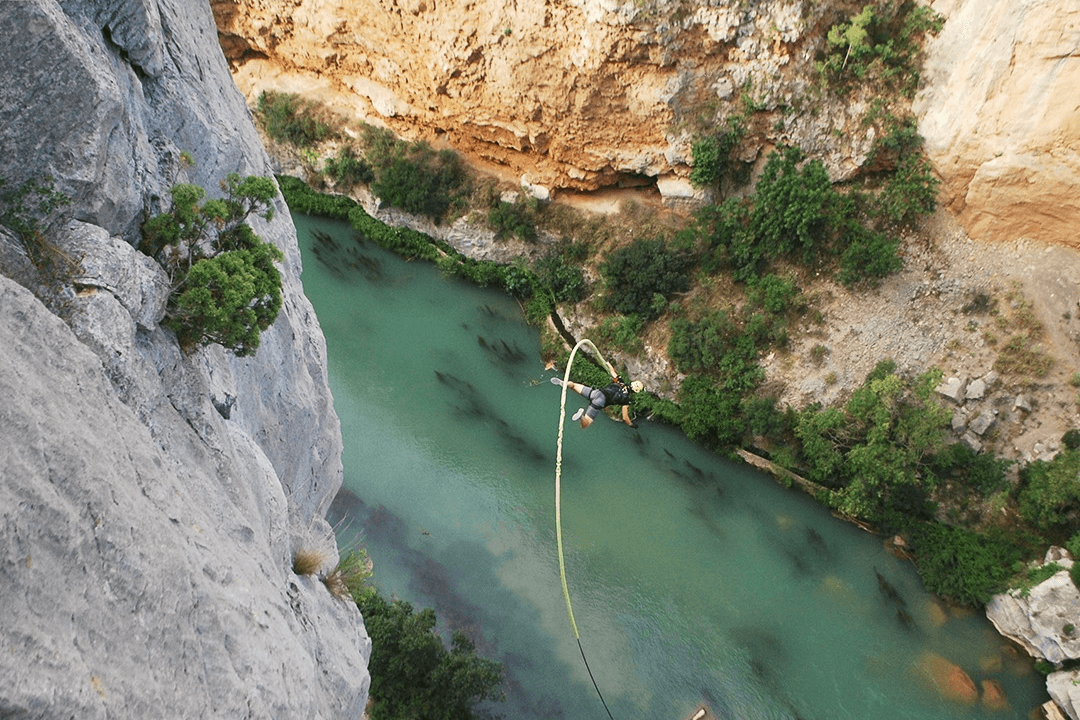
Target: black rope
593, 679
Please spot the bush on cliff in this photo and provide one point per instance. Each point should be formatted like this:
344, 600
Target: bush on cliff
288, 118
641, 276
414, 176
961, 565
414, 676
225, 286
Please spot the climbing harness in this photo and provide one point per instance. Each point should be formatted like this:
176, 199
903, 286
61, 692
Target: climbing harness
558, 504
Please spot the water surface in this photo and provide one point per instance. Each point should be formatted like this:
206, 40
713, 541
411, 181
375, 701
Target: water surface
694, 580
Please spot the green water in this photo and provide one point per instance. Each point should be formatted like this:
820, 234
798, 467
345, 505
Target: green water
694, 580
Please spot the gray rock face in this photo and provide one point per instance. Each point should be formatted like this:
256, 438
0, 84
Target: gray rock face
1064, 688
152, 500
140, 582
1040, 620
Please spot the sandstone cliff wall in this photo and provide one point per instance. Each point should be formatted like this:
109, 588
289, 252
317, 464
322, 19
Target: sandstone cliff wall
1000, 113
583, 94
151, 501
577, 94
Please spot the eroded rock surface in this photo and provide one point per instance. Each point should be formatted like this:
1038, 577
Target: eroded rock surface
1001, 117
152, 500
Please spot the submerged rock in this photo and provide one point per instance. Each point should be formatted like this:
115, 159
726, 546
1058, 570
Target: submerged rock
947, 678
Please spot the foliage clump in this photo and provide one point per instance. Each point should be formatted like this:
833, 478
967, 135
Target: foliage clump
1050, 491
414, 176
288, 118
348, 168
796, 214
643, 275
30, 211
880, 44
961, 565
714, 153
874, 453
225, 285
413, 675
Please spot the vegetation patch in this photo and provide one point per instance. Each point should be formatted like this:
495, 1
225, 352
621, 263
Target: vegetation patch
414, 675
225, 285
288, 118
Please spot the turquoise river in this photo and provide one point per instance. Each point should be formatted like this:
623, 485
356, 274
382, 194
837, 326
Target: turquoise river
695, 580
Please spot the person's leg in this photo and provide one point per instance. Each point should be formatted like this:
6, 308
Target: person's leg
583, 390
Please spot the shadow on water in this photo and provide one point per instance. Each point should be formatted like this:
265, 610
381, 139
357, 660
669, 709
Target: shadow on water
895, 602
342, 262
472, 405
446, 592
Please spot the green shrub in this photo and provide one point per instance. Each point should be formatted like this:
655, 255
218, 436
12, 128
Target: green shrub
879, 44
709, 416
226, 288
622, 332
288, 118
713, 154
413, 675
982, 472
909, 192
1071, 439
775, 294
634, 274
419, 179
698, 346
869, 257
794, 207
302, 199
561, 275
347, 169
875, 451
960, 565
229, 299
517, 219
1050, 491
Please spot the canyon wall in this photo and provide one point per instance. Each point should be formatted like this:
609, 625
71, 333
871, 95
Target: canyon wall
584, 94
1000, 114
151, 500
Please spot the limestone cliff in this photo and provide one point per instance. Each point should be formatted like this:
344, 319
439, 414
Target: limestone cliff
1001, 117
570, 94
151, 501
584, 94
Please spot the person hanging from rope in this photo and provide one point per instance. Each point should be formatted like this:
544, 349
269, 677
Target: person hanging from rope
617, 393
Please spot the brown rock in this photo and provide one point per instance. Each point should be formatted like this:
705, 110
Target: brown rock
948, 678
993, 696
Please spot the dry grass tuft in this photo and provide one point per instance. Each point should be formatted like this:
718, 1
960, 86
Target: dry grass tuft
308, 562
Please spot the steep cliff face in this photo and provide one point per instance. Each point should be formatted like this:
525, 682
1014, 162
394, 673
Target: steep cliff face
594, 93
151, 501
580, 95
1001, 117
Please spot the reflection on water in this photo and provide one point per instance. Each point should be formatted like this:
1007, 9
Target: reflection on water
694, 580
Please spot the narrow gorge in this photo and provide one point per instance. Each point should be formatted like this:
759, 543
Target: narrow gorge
153, 498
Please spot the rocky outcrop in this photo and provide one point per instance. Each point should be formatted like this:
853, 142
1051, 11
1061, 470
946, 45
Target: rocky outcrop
601, 93
1045, 621
1000, 117
152, 500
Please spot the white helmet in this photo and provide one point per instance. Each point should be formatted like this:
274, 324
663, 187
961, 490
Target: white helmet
636, 386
